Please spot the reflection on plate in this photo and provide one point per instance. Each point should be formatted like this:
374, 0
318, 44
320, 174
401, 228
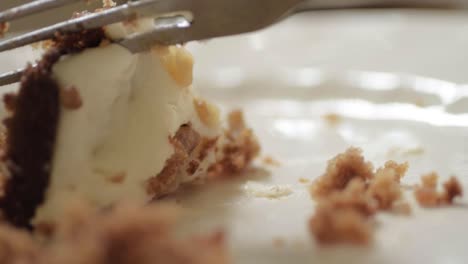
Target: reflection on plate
404, 118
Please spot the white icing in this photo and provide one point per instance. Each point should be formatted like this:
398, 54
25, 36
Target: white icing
131, 106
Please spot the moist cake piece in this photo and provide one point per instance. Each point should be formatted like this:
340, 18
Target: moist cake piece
126, 234
96, 122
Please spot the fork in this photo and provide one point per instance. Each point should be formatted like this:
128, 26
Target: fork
180, 21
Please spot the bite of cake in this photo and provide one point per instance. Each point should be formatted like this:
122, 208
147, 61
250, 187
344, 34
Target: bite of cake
96, 122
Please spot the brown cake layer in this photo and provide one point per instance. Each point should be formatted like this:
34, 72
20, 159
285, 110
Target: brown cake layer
32, 128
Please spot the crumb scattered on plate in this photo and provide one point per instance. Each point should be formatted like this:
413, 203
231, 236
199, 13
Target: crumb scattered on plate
427, 195
332, 119
340, 171
269, 160
385, 185
349, 194
330, 226
304, 180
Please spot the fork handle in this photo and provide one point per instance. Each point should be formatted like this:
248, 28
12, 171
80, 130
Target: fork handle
341, 4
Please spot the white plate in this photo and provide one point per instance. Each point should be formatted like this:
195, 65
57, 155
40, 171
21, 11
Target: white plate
287, 77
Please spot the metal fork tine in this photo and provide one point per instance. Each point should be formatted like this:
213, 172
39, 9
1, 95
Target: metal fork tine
11, 77
32, 8
96, 20
213, 18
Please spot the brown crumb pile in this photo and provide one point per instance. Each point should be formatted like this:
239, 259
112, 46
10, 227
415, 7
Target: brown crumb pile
126, 234
344, 216
233, 155
385, 186
427, 195
348, 196
4, 26
346, 225
340, 171
238, 150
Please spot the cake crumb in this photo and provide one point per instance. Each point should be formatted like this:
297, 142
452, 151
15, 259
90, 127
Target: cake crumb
340, 171
4, 26
344, 216
332, 119
330, 226
427, 195
118, 177
269, 160
452, 189
304, 180
354, 196
430, 180
385, 186
239, 148
348, 196
207, 145
70, 98
169, 178
192, 167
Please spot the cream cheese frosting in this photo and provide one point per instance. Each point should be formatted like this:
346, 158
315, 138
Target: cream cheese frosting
131, 105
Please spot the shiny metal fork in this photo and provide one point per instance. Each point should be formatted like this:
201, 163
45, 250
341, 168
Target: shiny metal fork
180, 21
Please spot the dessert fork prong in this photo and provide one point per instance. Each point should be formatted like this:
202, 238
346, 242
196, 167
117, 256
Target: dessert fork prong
180, 21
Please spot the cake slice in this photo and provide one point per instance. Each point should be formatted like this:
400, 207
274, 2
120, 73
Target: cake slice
96, 122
